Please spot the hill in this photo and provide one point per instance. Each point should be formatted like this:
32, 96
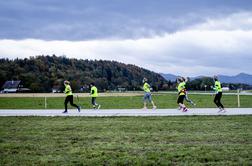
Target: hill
241, 78
42, 73
170, 77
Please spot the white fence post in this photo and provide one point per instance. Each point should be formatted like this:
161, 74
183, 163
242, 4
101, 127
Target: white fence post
238, 98
45, 103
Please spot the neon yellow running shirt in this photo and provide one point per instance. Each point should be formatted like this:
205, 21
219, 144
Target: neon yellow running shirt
181, 86
95, 91
217, 86
68, 90
146, 87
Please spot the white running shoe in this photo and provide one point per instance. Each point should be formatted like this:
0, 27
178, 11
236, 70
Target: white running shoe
223, 111
154, 107
220, 110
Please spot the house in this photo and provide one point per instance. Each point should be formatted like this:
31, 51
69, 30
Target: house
225, 88
13, 87
121, 89
56, 89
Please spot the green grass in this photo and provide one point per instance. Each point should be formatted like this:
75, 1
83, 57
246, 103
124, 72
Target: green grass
162, 101
196, 140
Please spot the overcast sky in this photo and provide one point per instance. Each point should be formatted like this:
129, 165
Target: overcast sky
181, 37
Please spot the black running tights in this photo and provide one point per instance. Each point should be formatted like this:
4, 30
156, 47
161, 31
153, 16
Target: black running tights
217, 99
69, 99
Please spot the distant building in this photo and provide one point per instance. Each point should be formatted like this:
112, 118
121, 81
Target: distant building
13, 87
121, 89
225, 88
56, 89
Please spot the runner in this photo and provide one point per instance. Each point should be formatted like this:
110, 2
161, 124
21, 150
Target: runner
181, 93
147, 94
218, 90
94, 95
186, 95
69, 96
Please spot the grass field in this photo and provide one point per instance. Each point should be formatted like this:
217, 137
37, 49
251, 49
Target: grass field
196, 140
121, 102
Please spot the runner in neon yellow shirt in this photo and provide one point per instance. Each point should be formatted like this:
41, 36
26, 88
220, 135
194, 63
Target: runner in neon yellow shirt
69, 96
94, 95
181, 93
218, 90
147, 94
186, 95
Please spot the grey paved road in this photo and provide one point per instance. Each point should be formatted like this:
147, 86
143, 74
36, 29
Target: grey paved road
124, 112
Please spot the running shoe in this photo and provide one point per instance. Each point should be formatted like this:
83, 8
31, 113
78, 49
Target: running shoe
223, 111
220, 110
185, 109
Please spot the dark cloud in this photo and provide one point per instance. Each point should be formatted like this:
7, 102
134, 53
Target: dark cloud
95, 19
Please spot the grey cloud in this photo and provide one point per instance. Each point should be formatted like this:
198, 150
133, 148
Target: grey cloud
84, 20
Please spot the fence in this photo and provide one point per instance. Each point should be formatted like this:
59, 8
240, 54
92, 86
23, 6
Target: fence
120, 100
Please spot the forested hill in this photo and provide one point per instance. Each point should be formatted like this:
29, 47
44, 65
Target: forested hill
42, 73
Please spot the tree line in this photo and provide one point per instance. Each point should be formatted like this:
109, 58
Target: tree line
44, 73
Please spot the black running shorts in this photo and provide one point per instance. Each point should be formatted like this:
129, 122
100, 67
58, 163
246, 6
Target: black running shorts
181, 99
